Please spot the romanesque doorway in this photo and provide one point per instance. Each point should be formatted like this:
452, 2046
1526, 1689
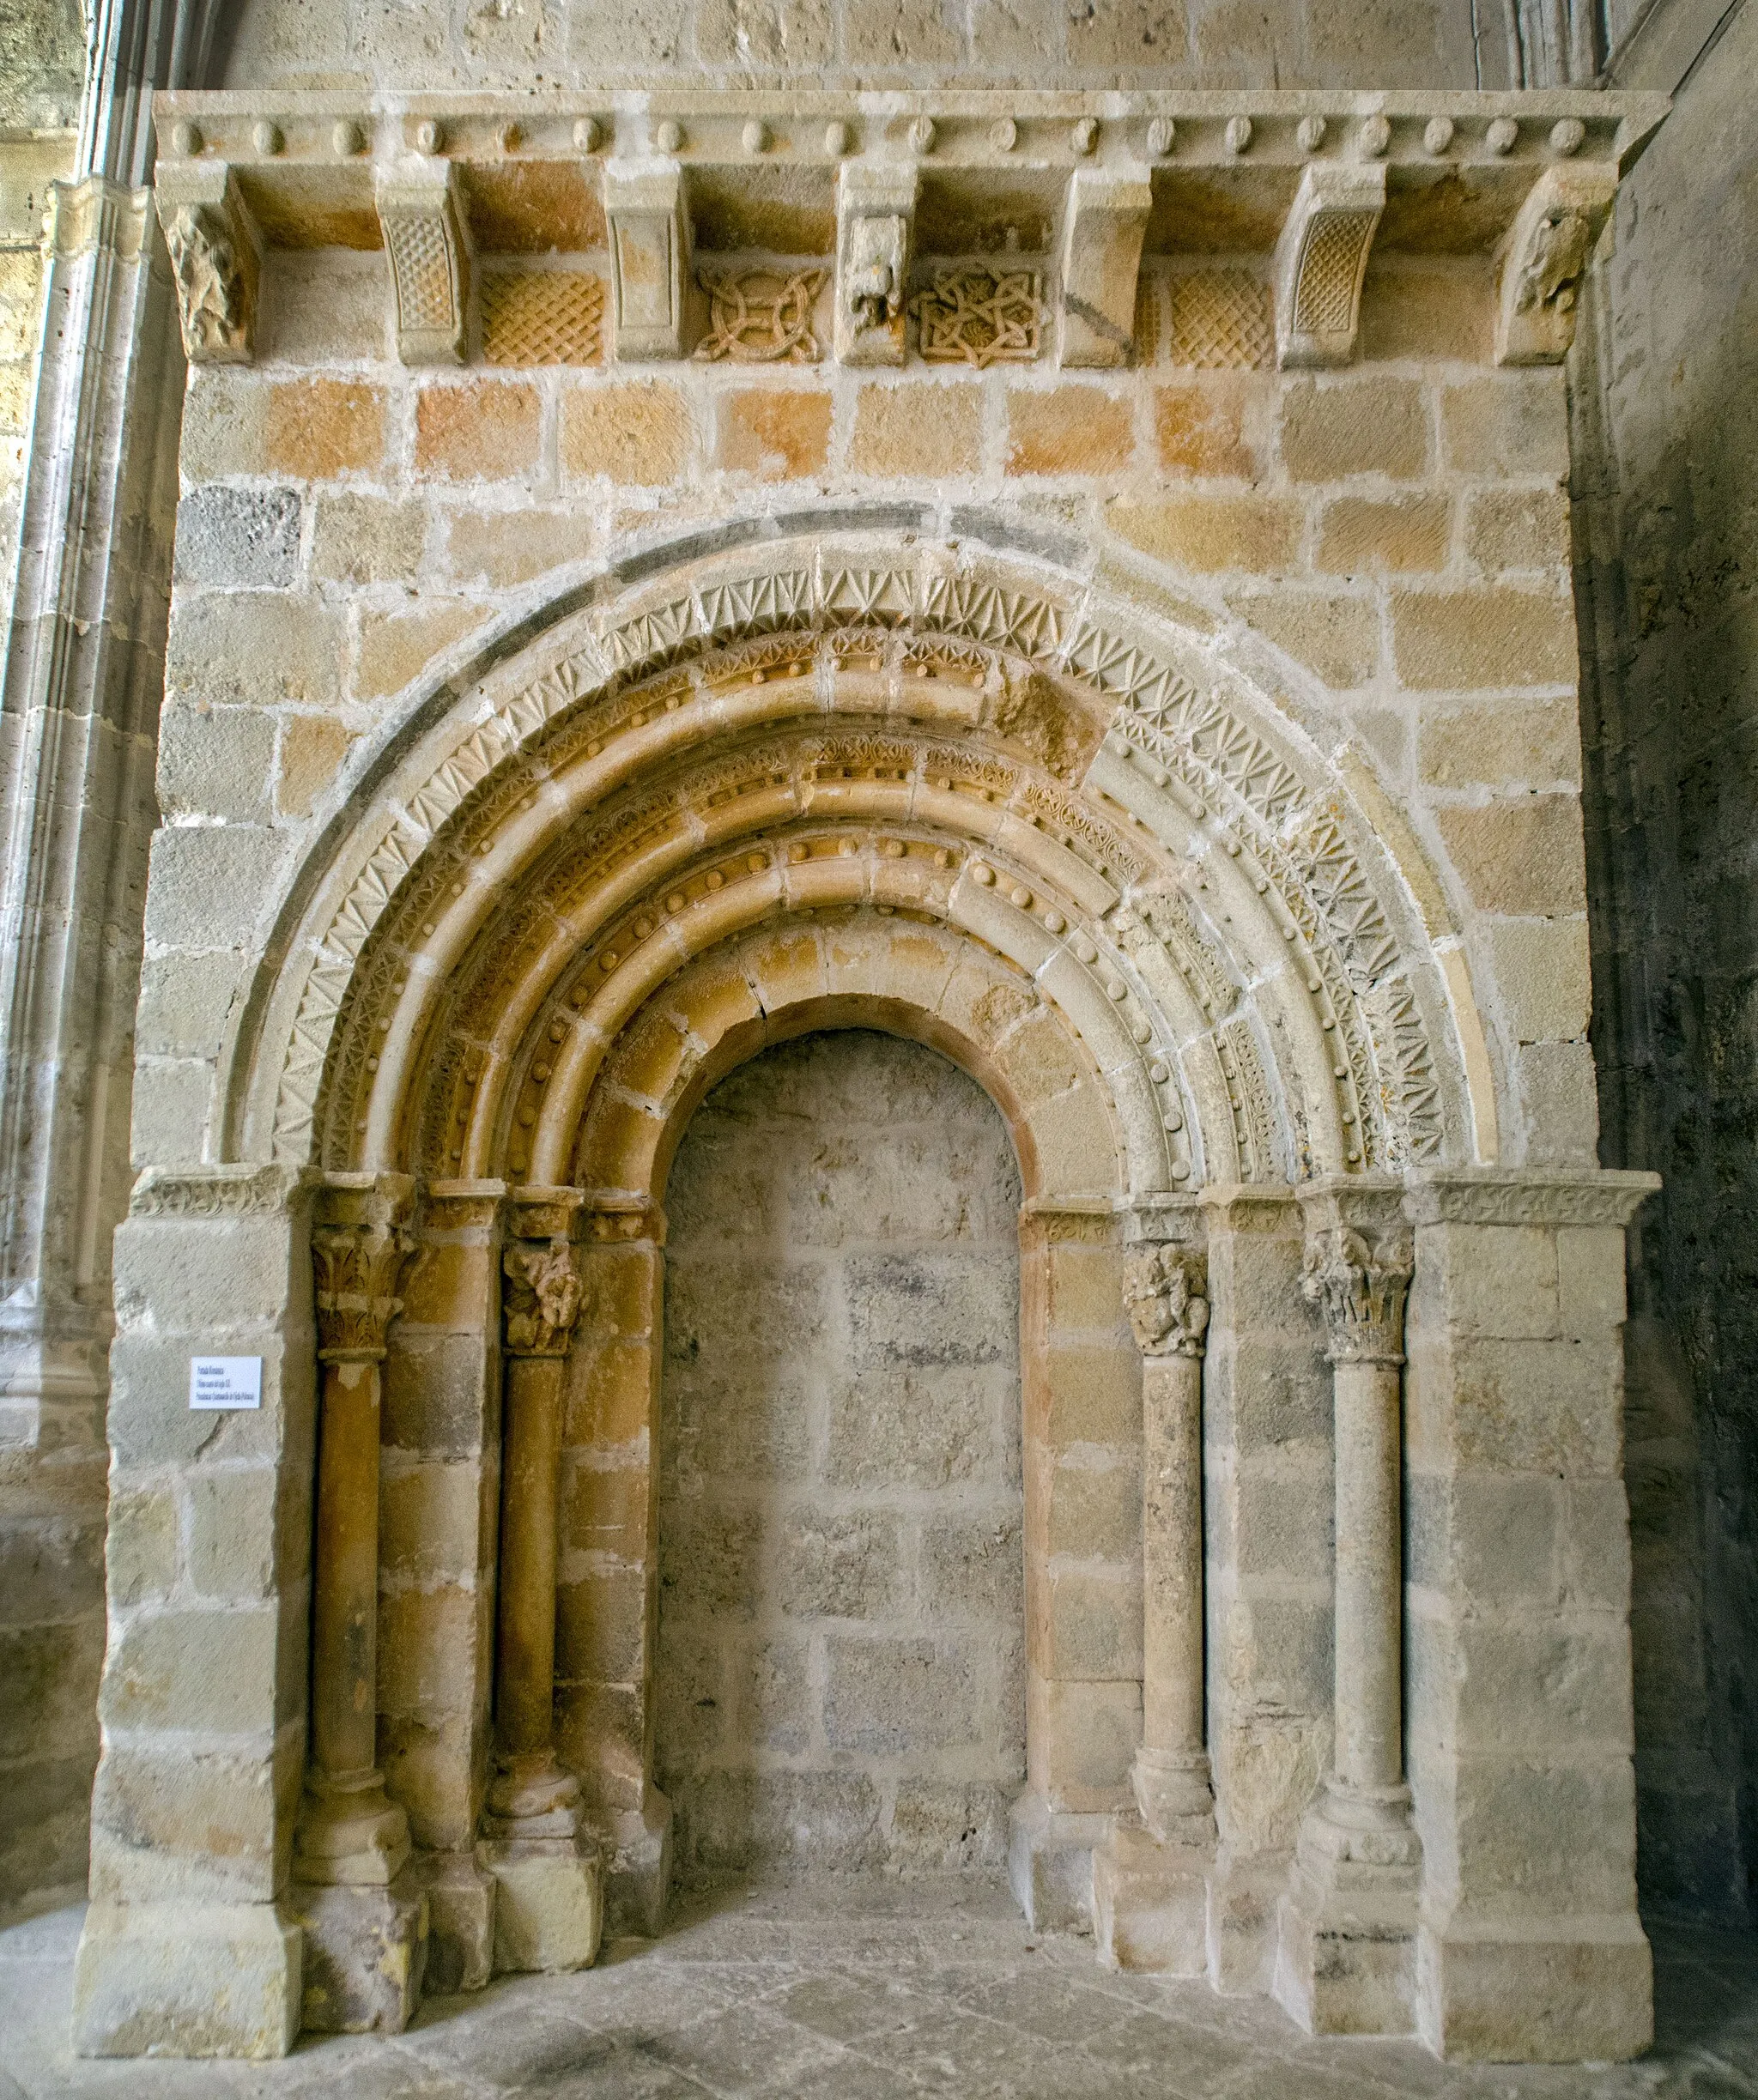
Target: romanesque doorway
842, 1639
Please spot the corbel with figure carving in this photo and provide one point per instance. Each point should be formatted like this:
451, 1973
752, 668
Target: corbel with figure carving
216, 262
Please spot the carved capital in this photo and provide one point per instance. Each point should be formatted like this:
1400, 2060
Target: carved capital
542, 1298
214, 261
1542, 260
1164, 1291
875, 208
1322, 257
1359, 1280
357, 1269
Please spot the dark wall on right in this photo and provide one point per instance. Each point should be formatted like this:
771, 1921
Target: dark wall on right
1664, 392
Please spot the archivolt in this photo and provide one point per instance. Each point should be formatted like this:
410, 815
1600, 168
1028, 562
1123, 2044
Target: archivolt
814, 731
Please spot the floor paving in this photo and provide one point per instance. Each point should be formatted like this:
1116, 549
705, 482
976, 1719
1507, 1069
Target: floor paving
871, 1991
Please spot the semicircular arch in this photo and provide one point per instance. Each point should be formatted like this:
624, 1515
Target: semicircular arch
935, 729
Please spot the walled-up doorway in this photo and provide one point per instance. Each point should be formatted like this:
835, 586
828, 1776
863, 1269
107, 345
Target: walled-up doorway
841, 1644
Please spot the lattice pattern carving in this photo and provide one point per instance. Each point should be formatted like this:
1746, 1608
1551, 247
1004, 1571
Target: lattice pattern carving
1331, 263
977, 315
420, 263
543, 317
1221, 321
761, 317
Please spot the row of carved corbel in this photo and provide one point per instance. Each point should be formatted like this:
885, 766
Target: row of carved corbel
1321, 260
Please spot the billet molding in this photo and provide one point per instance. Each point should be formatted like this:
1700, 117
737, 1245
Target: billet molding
845, 613
1338, 168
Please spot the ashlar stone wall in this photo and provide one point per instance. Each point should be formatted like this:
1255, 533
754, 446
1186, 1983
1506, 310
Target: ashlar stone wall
841, 1665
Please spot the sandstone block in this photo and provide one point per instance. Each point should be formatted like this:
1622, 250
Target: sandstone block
895, 32
321, 428
141, 1543
460, 1921
1399, 533
168, 1821
1463, 640
365, 1951
1518, 529
144, 1981
362, 539
500, 548
185, 1001
1574, 1992
1511, 423
1150, 1904
477, 430
248, 536
549, 1904
208, 883
917, 429
1068, 430
1093, 1395
1200, 426
313, 751
1333, 428
255, 648
638, 431
1129, 33
886, 1697
216, 1670
397, 647
1337, 638
778, 436
214, 761
1435, 308
1508, 744
1542, 972
1519, 855
234, 1550
1210, 534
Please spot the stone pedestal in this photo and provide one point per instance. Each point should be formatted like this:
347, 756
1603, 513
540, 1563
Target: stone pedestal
187, 1980
460, 1921
1346, 1939
366, 1951
637, 1870
1050, 1862
1151, 1904
549, 1902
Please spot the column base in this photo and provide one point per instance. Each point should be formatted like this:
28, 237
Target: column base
638, 1872
187, 1980
349, 1833
1346, 1931
460, 1921
1050, 1863
1151, 1904
366, 1952
1175, 1795
549, 1902
1561, 1990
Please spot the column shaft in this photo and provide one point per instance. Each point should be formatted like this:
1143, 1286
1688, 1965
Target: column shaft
526, 1661
1171, 1554
1369, 1576
345, 1599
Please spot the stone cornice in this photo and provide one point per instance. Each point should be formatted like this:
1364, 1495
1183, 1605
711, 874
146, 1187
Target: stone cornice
1085, 183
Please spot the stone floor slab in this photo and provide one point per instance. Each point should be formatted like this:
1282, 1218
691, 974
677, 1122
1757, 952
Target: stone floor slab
871, 1991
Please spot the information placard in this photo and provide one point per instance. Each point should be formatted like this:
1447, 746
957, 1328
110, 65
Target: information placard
226, 1382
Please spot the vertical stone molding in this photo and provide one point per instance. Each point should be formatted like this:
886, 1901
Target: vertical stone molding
216, 260
548, 1909
1103, 225
429, 251
1321, 260
1151, 1882
366, 1933
1541, 262
1521, 1734
876, 211
649, 258
1347, 1931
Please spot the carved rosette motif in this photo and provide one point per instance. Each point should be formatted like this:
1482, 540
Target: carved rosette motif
1165, 1294
541, 1298
1360, 1282
357, 1270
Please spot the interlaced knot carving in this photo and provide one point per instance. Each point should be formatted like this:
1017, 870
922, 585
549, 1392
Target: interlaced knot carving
1164, 1294
978, 315
761, 317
